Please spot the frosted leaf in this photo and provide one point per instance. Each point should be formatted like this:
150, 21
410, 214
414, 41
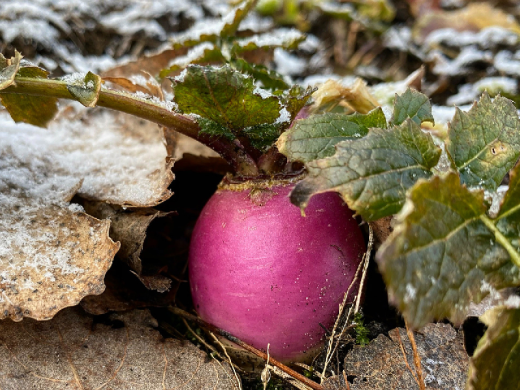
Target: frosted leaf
119, 159
51, 256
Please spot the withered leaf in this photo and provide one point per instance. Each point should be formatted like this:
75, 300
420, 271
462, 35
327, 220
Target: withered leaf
75, 352
127, 227
51, 253
50, 257
381, 365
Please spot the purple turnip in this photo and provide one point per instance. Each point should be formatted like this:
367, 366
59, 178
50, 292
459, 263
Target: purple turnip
266, 274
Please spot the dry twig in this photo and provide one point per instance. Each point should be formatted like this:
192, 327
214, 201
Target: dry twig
296, 375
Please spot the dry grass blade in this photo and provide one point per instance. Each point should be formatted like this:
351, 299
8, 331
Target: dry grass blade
296, 375
363, 264
416, 358
405, 359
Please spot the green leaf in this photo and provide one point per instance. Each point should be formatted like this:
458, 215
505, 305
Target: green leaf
414, 105
288, 39
444, 253
231, 100
295, 98
86, 90
8, 69
35, 110
372, 173
270, 79
494, 365
239, 13
508, 218
216, 29
315, 137
484, 143
196, 55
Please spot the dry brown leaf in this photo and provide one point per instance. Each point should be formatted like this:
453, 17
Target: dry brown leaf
50, 258
121, 159
382, 229
141, 82
51, 253
127, 227
357, 97
381, 364
74, 352
473, 17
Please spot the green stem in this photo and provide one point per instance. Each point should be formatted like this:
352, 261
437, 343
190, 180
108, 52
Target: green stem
502, 240
237, 157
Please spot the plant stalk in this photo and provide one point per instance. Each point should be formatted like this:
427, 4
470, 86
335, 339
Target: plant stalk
241, 162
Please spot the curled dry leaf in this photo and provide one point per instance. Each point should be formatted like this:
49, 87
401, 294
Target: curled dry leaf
127, 227
51, 253
75, 352
122, 160
381, 364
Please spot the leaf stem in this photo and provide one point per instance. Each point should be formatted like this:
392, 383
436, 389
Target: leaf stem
502, 240
236, 156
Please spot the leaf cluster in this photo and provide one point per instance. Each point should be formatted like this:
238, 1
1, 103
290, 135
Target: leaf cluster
228, 104
455, 241
220, 43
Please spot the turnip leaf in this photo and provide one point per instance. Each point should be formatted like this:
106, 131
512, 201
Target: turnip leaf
494, 364
315, 137
36, 110
373, 173
86, 90
412, 104
232, 106
211, 31
484, 143
288, 39
269, 78
445, 253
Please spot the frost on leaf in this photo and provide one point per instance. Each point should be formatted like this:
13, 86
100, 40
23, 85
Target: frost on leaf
120, 159
315, 137
414, 105
444, 253
494, 364
230, 105
84, 89
381, 365
125, 352
51, 253
484, 143
35, 110
372, 173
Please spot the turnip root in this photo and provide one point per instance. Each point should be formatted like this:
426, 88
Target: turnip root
266, 274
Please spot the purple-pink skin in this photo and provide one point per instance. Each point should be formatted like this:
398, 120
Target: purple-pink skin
264, 273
